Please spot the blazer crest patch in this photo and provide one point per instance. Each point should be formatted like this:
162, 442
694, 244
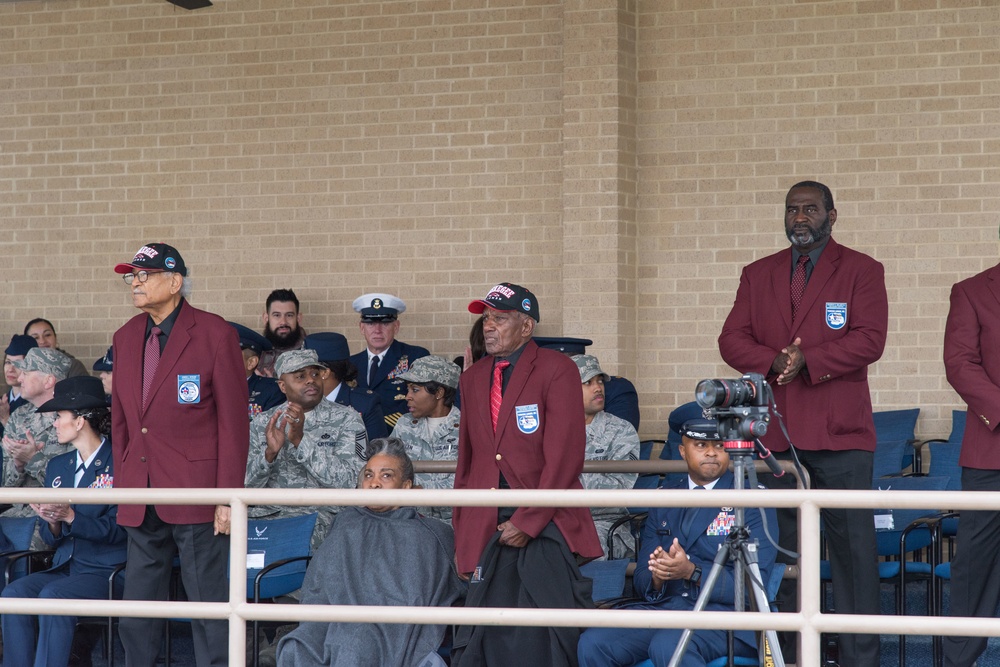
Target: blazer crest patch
527, 417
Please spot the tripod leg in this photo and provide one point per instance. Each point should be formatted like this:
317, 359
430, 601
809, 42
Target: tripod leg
703, 597
749, 553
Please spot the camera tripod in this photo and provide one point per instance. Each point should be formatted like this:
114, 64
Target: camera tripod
743, 553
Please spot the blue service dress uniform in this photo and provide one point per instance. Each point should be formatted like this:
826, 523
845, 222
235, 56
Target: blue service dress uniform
264, 394
390, 390
699, 531
87, 551
368, 405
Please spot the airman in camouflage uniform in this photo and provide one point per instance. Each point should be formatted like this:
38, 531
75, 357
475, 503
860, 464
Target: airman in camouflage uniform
430, 431
306, 442
609, 438
30, 438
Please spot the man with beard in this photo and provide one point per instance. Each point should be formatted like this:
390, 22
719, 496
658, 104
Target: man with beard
811, 319
282, 328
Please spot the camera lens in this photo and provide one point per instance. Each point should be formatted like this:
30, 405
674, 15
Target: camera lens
723, 393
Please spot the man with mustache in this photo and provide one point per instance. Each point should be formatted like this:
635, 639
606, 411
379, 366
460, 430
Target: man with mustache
282, 328
811, 319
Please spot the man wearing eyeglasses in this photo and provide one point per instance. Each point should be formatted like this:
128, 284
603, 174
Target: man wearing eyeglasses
179, 420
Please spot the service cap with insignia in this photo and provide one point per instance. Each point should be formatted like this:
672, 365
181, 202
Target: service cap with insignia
379, 307
701, 429
107, 362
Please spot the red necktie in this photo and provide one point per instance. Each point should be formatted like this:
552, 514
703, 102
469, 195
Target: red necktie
150, 360
798, 283
496, 391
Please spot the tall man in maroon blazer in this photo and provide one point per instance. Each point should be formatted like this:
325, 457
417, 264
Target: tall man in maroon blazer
812, 319
524, 555
972, 363
179, 421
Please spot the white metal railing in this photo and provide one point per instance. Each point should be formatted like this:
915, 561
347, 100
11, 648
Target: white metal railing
809, 621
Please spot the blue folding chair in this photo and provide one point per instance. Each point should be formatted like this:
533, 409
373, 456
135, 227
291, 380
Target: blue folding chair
18, 532
898, 427
277, 555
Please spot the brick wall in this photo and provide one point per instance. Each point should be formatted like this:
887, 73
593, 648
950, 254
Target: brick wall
622, 158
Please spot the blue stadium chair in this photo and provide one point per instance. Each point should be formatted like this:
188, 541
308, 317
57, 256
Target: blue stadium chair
898, 427
18, 532
279, 551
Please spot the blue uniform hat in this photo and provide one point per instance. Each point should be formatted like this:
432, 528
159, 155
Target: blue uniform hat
329, 345
106, 363
250, 339
701, 429
570, 346
682, 415
20, 344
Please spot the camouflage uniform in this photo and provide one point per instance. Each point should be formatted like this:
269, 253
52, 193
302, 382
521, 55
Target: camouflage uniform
41, 425
330, 456
431, 443
610, 438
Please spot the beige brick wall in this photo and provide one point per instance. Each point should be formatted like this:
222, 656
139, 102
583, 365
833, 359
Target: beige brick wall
622, 158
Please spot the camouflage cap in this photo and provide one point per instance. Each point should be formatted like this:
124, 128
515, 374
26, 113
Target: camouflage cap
45, 360
432, 369
295, 360
589, 367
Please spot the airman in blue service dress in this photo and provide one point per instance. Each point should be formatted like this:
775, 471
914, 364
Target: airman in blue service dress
264, 391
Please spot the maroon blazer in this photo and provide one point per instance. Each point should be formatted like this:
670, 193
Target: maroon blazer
539, 444
201, 443
972, 364
843, 319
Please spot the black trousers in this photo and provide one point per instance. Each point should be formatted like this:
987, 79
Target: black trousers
850, 541
975, 570
204, 559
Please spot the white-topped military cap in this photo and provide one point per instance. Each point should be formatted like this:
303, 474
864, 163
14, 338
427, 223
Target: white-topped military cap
378, 307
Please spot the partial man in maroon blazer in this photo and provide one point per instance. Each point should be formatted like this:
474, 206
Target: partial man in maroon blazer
811, 319
179, 420
522, 427
972, 363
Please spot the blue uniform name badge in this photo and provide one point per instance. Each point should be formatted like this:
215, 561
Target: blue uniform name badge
836, 315
527, 417
189, 389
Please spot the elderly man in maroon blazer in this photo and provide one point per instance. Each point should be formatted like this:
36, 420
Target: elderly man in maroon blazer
179, 420
972, 363
812, 319
522, 427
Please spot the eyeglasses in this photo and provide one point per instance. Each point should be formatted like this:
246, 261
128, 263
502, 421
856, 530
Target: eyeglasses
141, 276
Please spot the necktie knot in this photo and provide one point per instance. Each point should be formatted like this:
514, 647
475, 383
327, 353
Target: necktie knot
150, 360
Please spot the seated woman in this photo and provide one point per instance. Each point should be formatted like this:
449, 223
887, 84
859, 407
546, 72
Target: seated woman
88, 542
377, 555
430, 432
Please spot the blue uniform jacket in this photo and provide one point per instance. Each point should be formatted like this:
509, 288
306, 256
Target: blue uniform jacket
621, 400
370, 408
701, 542
391, 392
264, 394
93, 543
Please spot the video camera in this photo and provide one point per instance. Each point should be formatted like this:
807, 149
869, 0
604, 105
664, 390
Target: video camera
739, 407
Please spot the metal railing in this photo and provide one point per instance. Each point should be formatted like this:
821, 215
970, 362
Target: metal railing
809, 622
